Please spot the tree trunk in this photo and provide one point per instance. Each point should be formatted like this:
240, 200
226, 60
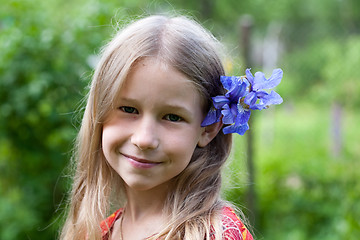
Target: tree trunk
246, 26
336, 130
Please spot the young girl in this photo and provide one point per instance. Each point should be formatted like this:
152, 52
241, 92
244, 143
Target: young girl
144, 147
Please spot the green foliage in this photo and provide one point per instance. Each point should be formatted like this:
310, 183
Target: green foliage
303, 192
325, 71
43, 59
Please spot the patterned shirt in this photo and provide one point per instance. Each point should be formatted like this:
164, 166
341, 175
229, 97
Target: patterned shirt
234, 229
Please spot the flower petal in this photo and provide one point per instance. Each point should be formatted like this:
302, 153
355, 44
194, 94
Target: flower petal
229, 117
276, 77
220, 101
240, 129
213, 116
261, 94
249, 76
238, 91
250, 99
260, 82
258, 106
272, 98
228, 82
243, 115
234, 110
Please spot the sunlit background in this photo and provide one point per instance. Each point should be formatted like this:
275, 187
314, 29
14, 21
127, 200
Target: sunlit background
304, 180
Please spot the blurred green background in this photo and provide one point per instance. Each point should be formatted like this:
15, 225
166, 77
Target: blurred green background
306, 151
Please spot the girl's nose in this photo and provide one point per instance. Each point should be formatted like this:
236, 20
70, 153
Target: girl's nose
145, 135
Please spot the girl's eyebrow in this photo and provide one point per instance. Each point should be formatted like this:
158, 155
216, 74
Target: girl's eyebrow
174, 107
177, 108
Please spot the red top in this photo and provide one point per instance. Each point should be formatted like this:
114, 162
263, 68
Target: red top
234, 229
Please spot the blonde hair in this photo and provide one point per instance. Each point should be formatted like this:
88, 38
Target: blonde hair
194, 206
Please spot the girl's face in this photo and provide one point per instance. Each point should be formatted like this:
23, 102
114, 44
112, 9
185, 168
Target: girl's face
151, 135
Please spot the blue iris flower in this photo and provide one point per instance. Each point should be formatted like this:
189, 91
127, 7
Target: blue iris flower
258, 99
243, 94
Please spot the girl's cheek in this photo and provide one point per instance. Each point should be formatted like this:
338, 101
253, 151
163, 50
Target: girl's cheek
108, 137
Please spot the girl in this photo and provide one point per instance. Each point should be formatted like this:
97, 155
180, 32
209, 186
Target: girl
142, 146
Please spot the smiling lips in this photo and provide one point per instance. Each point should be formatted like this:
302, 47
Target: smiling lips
140, 163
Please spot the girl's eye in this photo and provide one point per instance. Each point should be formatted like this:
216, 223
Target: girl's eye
173, 118
128, 109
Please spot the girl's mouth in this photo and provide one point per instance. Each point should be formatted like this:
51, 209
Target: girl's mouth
140, 163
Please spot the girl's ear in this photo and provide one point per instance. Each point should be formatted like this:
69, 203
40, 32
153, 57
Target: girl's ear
209, 133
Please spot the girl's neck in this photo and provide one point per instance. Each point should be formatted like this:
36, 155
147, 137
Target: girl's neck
144, 204
143, 214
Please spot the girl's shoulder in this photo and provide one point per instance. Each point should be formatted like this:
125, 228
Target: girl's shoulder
107, 224
234, 228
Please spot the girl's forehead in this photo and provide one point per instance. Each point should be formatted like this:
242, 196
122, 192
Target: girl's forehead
154, 73
155, 79
150, 73
152, 69
153, 62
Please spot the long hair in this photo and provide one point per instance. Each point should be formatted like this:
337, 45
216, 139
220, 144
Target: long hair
194, 205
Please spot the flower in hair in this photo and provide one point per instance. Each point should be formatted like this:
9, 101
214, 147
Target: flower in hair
243, 94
